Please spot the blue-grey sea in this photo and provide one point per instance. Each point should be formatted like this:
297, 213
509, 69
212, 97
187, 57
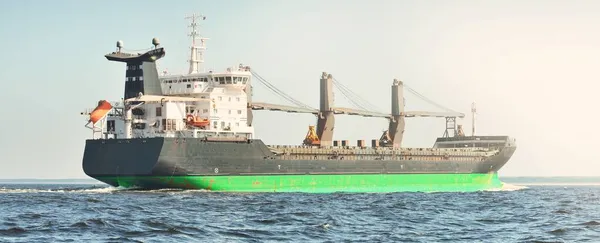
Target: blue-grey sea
526, 210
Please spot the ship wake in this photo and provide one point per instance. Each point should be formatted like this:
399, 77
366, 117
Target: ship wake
94, 190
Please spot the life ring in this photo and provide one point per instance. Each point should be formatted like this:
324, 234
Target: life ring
189, 119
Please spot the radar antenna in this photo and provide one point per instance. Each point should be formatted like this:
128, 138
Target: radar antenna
197, 49
473, 111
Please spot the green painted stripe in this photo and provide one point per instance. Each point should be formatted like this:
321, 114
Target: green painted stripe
316, 183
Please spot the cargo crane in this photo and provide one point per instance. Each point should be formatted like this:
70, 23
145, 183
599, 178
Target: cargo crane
323, 136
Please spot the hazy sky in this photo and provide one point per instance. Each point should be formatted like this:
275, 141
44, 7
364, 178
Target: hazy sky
531, 66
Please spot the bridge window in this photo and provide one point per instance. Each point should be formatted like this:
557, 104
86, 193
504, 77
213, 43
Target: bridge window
235, 80
245, 80
139, 126
221, 80
189, 86
171, 125
228, 79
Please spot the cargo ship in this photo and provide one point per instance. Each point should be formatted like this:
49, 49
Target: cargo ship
195, 131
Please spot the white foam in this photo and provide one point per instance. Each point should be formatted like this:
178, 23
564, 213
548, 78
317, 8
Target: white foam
86, 190
507, 188
560, 184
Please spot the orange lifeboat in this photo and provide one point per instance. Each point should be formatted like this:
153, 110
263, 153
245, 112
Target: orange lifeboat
100, 111
196, 122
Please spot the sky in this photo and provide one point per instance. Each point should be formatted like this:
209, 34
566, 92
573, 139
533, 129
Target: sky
529, 65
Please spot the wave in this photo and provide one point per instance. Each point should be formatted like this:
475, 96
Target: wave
559, 183
507, 188
94, 190
63, 190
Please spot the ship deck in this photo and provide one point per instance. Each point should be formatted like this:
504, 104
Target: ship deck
382, 153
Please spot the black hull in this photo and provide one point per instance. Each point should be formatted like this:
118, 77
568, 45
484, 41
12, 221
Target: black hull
185, 157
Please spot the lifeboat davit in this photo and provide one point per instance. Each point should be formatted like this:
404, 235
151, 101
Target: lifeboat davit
196, 122
101, 110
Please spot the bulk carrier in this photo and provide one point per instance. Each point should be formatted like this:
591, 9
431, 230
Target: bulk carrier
195, 131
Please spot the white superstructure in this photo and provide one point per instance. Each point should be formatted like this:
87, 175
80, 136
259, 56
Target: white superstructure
197, 104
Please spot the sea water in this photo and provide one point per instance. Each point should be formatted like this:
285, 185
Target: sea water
524, 210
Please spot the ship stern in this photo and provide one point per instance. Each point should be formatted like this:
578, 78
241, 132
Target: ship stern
108, 160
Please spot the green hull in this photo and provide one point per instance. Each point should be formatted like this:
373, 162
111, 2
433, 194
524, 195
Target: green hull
316, 183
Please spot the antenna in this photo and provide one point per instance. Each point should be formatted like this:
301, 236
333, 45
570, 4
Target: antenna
473, 111
197, 51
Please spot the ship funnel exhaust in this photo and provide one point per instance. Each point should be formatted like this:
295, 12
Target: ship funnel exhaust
141, 75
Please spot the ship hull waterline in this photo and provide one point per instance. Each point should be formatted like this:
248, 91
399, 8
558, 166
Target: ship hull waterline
160, 163
383, 183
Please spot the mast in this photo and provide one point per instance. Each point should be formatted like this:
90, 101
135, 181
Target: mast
198, 44
473, 111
